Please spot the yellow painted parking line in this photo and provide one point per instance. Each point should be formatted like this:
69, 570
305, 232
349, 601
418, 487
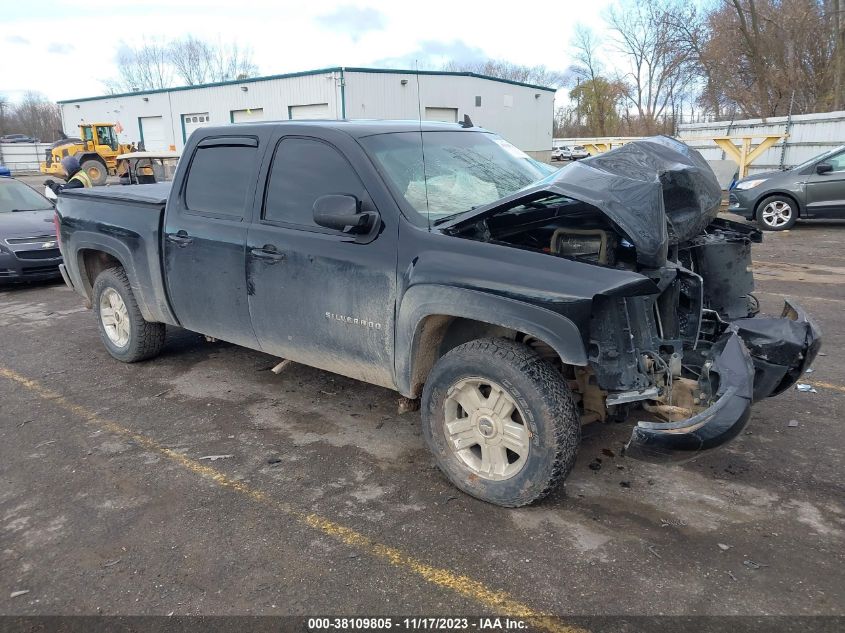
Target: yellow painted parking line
501, 602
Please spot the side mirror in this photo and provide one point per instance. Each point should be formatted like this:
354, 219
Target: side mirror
823, 168
341, 212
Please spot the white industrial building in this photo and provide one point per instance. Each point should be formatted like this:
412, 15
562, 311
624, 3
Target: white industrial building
521, 113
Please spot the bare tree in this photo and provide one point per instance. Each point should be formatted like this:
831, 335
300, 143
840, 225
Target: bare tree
4, 115
34, 116
231, 61
761, 57
197, 61
187, 61
191, 60
538, 75
659, 66
596, 96
749, 27
835, 11
145, 67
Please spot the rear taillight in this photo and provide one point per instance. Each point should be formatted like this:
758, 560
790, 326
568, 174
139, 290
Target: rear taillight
56, 224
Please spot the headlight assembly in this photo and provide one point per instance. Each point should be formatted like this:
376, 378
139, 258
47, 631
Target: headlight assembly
749, 184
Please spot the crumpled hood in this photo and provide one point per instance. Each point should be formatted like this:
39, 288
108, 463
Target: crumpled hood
657, 190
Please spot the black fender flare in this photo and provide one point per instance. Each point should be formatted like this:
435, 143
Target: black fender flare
425, 300
114, 247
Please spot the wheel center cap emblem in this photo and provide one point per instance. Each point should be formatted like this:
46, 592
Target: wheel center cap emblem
486, 427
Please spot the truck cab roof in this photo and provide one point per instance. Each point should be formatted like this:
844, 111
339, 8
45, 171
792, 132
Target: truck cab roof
357, 128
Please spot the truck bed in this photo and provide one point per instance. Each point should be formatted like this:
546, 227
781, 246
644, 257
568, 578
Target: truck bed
125, 222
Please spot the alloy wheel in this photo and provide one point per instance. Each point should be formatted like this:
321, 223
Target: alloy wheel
115, 317
485, 428
776, 214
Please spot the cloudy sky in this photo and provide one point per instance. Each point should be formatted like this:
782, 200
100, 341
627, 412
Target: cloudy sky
66, 48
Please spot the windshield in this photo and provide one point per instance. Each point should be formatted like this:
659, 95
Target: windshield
463, 170
16, 196
814, 159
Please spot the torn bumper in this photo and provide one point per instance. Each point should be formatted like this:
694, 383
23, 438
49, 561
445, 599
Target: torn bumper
756, 358
782, 348
721, 422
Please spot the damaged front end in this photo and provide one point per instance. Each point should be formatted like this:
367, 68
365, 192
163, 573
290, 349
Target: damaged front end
696, 354
693, 351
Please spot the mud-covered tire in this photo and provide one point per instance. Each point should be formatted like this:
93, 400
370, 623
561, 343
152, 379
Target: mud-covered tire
544, 404
145, 339
777, 213
96, 171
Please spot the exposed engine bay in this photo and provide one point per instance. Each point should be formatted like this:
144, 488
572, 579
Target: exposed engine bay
692, 351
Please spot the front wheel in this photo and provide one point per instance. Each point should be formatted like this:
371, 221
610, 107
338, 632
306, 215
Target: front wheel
776, 213
125, 333
500, 422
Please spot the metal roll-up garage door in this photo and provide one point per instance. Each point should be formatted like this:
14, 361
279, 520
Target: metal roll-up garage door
193, 121
310, 111
247, 116
152, 133
448, 115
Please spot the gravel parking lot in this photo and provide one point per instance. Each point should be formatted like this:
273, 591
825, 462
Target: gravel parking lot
202, 483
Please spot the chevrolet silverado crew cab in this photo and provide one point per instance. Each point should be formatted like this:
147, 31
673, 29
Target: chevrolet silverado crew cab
440, 261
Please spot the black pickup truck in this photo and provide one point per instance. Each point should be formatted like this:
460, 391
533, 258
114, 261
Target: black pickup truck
440, 261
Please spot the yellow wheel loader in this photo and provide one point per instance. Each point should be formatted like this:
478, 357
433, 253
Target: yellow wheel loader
96, 149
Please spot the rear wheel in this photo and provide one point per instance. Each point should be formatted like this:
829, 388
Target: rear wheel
96, 171
125, 333
777, 213
500, 421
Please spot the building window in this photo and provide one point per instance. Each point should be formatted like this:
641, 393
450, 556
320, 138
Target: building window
478, 102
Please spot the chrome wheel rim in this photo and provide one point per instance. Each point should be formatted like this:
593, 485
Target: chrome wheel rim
777, 213
115, 317
485, 429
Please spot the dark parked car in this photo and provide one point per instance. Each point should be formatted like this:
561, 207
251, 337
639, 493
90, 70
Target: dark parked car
517, 305
28, 247
776, 199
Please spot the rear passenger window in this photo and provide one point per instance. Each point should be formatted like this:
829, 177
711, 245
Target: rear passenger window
219, 179
304, 169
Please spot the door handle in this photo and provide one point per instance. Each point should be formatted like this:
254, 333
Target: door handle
180, 238
269, 253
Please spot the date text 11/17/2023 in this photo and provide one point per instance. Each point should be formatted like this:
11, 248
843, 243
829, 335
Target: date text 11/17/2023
416, 624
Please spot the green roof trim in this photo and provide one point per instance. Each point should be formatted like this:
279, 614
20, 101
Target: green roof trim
306, 73
448, 73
